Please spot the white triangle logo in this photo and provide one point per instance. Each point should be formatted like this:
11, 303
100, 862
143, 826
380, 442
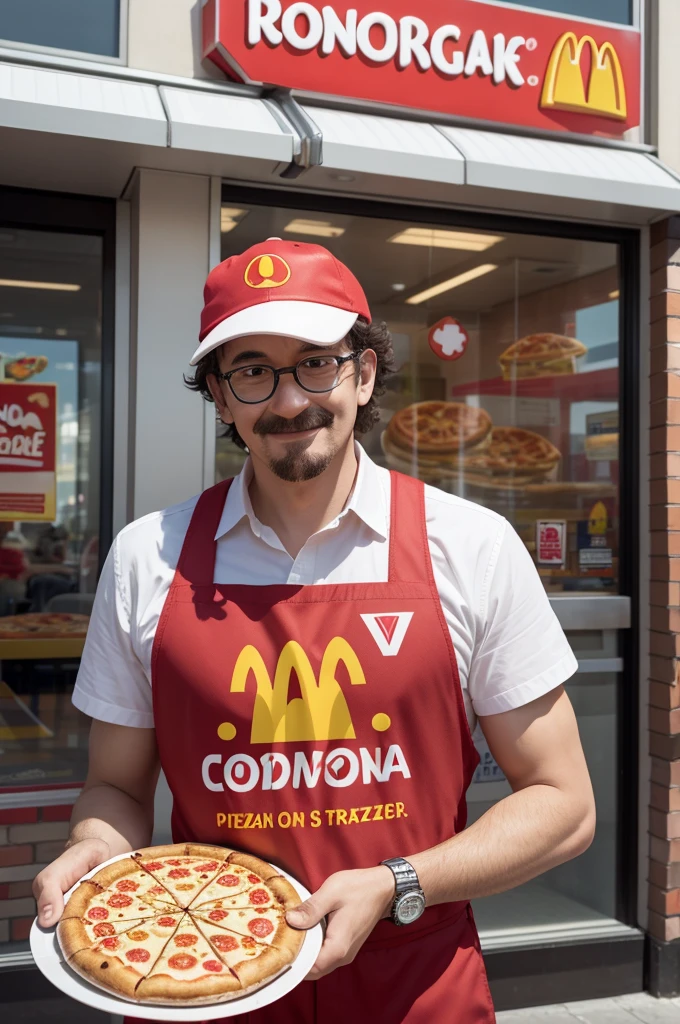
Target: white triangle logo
388, 629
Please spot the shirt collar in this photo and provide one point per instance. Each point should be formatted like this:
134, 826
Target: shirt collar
367, 500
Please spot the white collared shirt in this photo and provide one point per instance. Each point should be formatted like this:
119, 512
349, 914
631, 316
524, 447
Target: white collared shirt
508, 642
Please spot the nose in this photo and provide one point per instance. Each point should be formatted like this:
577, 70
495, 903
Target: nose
289, 399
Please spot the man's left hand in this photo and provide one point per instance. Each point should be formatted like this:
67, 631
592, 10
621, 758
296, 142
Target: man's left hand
354, 902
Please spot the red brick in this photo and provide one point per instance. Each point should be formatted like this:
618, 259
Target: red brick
665, 876
667, 722
663, 329
664, 568
664, 826
664, 517
666, 747
665, 542
664, 385
666, 411
664, 439
665, 620
664, 253
666, 773
666, 929
10, 856
4, 890
17, 890
664, 694
664, 902
663, 799
19, 816
663, 465
663, 644
664, 595
664, 229
21, 928
665, 357
63, 812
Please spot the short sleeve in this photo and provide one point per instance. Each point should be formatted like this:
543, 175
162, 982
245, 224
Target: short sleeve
112, 685
521, 652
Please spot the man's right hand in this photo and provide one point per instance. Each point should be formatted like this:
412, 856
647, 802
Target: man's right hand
58, 877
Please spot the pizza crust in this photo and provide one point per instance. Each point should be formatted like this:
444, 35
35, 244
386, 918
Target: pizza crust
106, 971
72, 936
254, 864
165, 990
284, 892
80, 900
264, 968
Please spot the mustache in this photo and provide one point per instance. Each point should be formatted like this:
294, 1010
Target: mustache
309, 419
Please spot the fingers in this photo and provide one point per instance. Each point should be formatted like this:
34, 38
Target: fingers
57, 878
313, 910
338, 945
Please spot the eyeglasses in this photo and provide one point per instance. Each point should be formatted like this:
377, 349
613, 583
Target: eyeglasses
316, 374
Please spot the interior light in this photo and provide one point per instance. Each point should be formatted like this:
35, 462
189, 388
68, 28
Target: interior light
46, 286
440, 239
614, 295
229, 218
322, 228
452, 282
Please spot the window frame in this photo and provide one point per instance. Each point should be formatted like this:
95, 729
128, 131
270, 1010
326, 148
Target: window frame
101, 58
637, 12
64, 214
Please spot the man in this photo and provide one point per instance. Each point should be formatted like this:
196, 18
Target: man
388, 616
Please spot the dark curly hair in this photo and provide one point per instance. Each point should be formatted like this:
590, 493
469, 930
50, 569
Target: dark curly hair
364, 335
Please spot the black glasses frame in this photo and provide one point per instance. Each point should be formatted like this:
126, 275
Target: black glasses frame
341, 360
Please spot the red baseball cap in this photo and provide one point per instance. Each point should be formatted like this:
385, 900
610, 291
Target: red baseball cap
292, 289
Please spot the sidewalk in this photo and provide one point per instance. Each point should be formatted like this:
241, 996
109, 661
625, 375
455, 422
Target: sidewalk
637, 1009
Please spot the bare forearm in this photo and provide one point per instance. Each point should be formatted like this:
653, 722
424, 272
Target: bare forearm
107, 814
522, 836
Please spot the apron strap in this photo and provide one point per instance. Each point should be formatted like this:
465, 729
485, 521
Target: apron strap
410, 560
196, 563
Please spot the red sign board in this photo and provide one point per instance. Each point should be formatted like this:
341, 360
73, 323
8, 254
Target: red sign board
28, 451
475, 60
551, 542
448, 339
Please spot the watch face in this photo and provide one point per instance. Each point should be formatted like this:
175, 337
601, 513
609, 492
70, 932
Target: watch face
410, 907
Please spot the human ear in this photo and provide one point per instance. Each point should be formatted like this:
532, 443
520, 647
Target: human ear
367, 369
219, 399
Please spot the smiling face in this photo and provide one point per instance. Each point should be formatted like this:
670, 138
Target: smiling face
295, 434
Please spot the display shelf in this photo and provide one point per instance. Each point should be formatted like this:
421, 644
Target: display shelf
39, 650
596, 386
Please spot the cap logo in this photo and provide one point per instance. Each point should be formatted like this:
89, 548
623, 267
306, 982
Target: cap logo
268, 271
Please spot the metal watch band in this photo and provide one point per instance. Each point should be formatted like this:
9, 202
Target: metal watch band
404, 873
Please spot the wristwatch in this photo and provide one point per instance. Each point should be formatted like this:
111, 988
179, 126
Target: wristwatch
409, 898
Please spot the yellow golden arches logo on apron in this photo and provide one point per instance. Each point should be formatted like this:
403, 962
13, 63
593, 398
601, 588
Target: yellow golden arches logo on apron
321, 713
268, 271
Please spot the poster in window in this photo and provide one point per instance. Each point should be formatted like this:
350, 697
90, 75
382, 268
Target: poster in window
28, 451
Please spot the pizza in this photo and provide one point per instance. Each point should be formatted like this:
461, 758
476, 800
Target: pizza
541, 355
43, 626
25, 367
181, 925
513, 450
438, 428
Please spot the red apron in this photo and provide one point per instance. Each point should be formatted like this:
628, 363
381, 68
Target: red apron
323, 728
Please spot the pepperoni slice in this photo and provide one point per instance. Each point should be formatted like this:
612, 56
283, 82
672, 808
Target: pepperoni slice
179, 873
225, 943
182, 961
186, 939
175, 862
157, 890
153, 865
248, 943
166, 922
100, 930
254, 880
119, 899
260, 927
97, 913
229, 880
212, 965
138, 935
111, 942
218, 915
127, 885
258, 896
210, 865
137, 955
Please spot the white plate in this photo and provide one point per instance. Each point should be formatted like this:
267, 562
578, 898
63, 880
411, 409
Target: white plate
49, 959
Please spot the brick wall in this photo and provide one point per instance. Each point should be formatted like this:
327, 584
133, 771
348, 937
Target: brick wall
30, 837
664, 689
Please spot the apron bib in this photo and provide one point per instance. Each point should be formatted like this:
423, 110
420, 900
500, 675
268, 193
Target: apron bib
323, 728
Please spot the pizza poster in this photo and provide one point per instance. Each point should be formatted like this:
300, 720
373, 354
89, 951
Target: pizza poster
28, 451
551, 542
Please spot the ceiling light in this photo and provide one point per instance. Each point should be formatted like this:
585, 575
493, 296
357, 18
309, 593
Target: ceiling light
615, 294
452, 282
229, 218
322, 228
61, 332
398, 287
438, 239
47, 286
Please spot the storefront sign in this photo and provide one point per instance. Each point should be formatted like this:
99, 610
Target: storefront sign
28, 448
595, 554
551, 542
463, 57
448, 339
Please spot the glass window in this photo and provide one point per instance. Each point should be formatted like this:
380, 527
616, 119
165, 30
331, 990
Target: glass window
602, 10
508, 382
50, 464
87, 26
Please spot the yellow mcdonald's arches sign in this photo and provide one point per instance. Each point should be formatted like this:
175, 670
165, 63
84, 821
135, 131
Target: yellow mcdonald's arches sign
321, 713
565, 88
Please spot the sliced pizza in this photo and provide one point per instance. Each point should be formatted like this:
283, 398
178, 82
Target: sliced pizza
541, 355
189, 969
120, 962
93, 903
128, 878
183, 872
81, 933
240, 873
251, 961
